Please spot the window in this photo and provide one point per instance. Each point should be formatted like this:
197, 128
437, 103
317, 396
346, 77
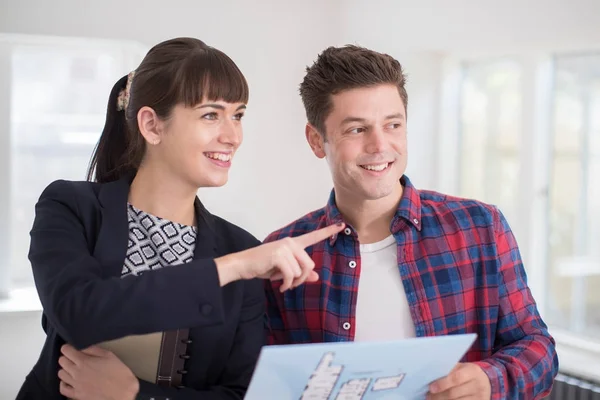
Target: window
58, 91
529, 142
490, 134
573, 300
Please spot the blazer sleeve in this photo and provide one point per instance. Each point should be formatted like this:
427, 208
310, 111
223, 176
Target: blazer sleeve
234, 381
86, 308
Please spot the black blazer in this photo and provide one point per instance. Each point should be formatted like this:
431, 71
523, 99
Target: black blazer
78, 246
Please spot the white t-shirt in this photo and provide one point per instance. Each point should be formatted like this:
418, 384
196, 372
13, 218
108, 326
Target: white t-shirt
382, 311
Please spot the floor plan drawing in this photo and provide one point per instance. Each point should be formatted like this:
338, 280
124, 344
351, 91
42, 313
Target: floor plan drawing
323, 381
398, 370
354, 389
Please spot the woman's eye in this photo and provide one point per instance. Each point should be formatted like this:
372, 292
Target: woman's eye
238, 116
210, 116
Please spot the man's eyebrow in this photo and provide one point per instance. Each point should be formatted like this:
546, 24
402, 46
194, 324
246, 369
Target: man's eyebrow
397, 115
353, 119
363, 120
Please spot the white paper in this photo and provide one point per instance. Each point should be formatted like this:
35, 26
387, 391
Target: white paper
351, 371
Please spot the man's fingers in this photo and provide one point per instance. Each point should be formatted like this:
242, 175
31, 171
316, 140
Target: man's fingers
457, 392
456, 377
310, 238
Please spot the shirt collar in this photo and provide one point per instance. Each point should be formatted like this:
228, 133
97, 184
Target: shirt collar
409, 209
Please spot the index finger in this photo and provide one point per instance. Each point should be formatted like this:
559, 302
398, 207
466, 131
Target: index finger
310, 238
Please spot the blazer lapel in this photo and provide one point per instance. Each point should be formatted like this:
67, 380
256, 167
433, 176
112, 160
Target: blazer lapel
113, 238
206, 240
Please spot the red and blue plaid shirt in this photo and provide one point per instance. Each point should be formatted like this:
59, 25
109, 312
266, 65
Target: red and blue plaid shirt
462, 273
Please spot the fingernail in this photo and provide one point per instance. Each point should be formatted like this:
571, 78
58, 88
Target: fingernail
340, 224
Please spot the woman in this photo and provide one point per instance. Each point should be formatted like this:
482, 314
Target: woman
135, 252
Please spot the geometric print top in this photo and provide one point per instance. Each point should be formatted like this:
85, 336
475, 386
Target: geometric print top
156, 242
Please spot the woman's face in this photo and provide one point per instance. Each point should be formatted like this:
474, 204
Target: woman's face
197, 144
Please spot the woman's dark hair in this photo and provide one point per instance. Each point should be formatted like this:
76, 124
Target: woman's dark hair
178, 71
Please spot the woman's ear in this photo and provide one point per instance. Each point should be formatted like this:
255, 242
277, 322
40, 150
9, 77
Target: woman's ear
150, 125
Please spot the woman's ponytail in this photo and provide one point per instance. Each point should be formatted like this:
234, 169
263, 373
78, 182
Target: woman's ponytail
109, 161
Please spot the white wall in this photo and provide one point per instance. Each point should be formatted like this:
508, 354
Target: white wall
21, 338
468, 26
275, 177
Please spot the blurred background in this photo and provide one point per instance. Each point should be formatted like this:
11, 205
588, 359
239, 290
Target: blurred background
504, 107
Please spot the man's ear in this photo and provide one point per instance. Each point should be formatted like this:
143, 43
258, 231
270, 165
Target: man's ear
315, 140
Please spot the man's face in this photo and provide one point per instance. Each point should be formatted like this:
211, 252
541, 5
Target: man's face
365, 141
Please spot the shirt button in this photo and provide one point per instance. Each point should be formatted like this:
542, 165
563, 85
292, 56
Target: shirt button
346, 325
416, 221
352, 264
347, 231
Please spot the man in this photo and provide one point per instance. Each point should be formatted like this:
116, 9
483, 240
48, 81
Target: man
410, 263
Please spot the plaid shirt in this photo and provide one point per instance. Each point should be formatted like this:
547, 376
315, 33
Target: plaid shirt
462, 273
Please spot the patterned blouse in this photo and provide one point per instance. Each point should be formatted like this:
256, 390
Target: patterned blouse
156, 243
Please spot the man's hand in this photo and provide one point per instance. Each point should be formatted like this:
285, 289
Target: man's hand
465, 381
95, 374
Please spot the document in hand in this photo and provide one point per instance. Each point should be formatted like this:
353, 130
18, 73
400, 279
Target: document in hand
361, 370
